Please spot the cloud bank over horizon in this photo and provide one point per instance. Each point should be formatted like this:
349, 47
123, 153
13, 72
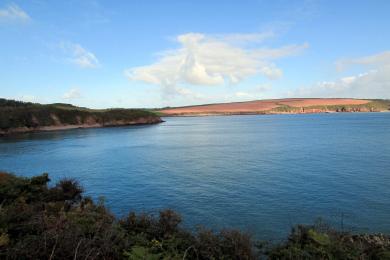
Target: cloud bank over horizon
373, 83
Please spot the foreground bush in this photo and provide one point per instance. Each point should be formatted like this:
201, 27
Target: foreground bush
58, 222
42, 222
322, 242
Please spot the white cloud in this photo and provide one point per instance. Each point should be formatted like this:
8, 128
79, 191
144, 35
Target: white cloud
243, 38
73, 93
374, 83
285, 51
28, 98
80, 56
255, 93
380, 59
211, 60
13, 13
242, 94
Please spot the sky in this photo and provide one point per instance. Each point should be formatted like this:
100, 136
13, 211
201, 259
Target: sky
148, 54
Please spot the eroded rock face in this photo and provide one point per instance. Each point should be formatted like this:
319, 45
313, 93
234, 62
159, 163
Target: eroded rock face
90, 120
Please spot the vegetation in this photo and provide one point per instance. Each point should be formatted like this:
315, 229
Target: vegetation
278, 107
38, 221
319, 241
42, 222
14, 114
372, 106
285, 109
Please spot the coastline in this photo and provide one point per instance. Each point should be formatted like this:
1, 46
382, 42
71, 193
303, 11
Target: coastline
265, 113
280, 106
23, 130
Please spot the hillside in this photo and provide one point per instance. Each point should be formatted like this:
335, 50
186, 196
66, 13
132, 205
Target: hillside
19, 117
282, 106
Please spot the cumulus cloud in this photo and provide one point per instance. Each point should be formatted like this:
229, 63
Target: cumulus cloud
271, 54
13, 13
244, 38
73, 93
80, 56
380, 59
374, 83
211, 60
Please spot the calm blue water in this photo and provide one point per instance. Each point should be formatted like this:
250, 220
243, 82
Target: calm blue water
257, 173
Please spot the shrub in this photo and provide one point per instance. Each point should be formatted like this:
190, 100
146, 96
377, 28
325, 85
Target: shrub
42, 222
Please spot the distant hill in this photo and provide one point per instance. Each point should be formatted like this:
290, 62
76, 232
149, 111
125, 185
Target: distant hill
17, 116
282, 106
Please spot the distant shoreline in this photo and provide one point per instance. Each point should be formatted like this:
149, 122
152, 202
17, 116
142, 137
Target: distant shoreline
268, 114
281, 106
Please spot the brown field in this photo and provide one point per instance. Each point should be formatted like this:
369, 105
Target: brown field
260, 106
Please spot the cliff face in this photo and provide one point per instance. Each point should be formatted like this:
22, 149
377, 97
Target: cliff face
19, 117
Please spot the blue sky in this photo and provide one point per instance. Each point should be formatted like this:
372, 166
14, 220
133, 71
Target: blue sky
168, 53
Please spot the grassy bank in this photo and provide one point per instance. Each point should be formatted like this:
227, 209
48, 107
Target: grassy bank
42, 221
32, 116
